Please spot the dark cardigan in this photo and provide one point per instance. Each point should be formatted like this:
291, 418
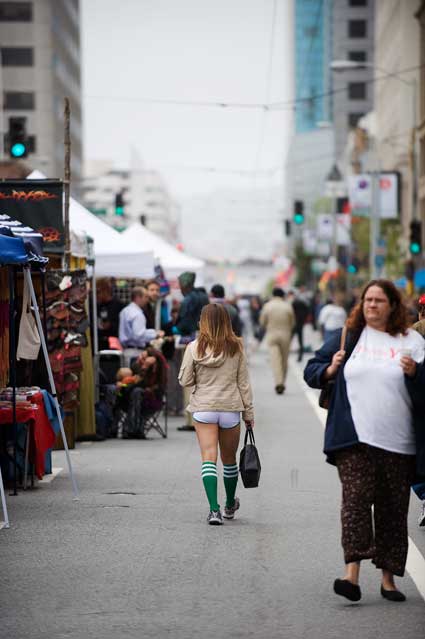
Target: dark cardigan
340, 431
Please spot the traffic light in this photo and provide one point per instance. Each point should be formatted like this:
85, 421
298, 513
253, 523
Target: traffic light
119, 204
298, 212
353, 266
17, 138
287, 228
415, 243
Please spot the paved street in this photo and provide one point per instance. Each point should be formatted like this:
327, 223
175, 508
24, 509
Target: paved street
145, 564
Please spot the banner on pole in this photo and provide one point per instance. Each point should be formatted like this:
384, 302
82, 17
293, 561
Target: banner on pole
360, 194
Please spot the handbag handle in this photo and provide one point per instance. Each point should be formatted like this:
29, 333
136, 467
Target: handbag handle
250, 434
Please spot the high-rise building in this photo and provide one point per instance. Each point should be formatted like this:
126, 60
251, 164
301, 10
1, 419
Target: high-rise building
311, 151
352, 39
312, 22
40, 65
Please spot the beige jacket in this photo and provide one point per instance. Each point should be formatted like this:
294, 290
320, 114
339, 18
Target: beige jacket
278, 316
218, 383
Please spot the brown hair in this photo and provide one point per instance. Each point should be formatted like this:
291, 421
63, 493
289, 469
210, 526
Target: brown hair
137, 291
216, 332
150, 282
398, 319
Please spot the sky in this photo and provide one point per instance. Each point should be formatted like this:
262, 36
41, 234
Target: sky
226, 51
185, 50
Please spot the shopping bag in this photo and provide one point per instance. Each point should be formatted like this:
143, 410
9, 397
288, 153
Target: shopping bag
29, 339
249, 462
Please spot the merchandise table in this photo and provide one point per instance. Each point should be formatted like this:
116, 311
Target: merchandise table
41, 433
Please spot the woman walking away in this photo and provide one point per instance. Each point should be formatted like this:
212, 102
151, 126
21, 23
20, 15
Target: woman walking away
215, 366
375, 432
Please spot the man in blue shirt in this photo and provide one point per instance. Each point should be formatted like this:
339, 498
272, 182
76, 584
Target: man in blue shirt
133, 333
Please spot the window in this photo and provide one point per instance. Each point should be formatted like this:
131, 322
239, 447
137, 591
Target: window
357, 3
357, 90
17, 57
15, 11
357, 56
353, 119
19, 100
357, 28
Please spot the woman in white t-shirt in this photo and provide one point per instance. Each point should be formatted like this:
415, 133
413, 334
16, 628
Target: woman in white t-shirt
331, 318
375, 428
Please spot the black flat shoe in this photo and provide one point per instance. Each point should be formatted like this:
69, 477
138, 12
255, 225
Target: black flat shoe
280, 389
392, 595
346, 589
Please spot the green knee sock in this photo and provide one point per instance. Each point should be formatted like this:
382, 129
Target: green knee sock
209, 477
230, 474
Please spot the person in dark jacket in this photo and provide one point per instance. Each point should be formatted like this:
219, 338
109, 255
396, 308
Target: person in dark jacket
191, 306
218, 296
375, 431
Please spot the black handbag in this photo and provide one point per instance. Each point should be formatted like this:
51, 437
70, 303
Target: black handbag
249, 462
327, 390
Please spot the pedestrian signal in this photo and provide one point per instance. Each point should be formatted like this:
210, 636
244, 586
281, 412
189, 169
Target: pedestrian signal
299, 212
415, 244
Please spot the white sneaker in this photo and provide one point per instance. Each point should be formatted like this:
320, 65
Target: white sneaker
214, 518
229, 513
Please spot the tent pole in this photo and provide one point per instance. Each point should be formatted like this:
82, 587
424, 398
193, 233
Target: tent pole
95, 335
12, 372
27, 275
3, 502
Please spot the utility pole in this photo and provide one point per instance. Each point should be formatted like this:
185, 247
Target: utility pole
67, 183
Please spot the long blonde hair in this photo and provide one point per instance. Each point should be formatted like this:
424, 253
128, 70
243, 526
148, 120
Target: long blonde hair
216, 332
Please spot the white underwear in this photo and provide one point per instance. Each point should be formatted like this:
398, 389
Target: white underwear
224, 420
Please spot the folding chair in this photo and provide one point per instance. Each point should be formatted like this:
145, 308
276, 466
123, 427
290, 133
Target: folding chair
151, 419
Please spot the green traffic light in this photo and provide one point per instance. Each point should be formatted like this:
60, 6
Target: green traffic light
119, 210
299, 218
352, 269
415, 248
18, 150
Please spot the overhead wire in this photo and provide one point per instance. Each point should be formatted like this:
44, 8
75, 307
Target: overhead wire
269, 75
223, 104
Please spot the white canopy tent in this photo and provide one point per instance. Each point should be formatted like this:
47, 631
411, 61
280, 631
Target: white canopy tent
173, 261
116, 255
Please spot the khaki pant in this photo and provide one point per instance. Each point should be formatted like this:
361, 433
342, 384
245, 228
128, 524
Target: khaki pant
278, 345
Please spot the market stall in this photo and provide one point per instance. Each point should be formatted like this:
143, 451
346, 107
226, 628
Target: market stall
21, 252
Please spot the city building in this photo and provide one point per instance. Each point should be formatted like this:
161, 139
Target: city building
145, 198
313, 41
311, 149
396, 96
40, 65
352, 90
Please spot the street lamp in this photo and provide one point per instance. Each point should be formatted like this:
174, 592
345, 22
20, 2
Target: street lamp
352, 65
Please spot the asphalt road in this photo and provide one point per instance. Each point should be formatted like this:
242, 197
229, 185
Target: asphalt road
145, 564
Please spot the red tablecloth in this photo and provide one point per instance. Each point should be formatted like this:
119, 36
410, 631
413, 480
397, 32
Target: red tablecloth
42, 434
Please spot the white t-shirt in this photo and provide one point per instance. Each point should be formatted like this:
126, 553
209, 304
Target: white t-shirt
380, 403
332, 317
